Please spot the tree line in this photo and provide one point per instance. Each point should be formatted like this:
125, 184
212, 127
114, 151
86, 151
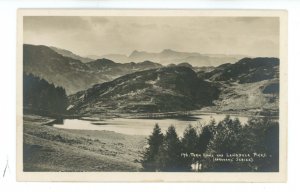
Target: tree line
165, 152
42, 97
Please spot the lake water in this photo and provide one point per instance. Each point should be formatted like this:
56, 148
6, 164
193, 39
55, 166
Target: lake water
142, 126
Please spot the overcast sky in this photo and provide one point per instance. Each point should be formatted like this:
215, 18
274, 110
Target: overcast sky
251, 36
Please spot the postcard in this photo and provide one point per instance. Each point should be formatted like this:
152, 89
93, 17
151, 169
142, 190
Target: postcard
152, 95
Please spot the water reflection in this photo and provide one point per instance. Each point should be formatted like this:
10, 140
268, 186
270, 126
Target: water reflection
142, 126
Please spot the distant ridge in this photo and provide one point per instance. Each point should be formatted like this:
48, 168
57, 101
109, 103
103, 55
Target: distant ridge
70, 54
169, 56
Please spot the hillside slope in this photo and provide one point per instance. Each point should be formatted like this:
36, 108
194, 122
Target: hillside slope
72, 74
249, 85
67, 53
49, 149
156, 90
246, 70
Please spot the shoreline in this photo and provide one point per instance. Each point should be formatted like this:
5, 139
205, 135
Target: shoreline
48, 149
184, 115
172, 115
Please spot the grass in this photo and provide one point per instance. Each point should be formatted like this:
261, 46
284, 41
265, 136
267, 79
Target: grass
247, 98
52, 149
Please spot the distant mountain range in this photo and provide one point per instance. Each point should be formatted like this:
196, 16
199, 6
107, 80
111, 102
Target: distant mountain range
70, 54
169, 56
165, 57
73, 74
103, 85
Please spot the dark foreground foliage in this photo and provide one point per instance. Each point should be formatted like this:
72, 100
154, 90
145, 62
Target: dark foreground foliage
227, 146
43, 98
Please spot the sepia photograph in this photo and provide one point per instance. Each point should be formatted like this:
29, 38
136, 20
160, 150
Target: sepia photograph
152, 95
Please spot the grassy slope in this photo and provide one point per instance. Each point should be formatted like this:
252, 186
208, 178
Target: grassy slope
51, 149
245, 97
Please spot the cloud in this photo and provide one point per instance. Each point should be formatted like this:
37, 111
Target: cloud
54, 23
104, 35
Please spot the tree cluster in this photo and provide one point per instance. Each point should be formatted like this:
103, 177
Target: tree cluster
165, 152
229, 136
258, 135
41, 97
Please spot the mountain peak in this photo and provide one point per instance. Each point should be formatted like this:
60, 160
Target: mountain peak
135, 53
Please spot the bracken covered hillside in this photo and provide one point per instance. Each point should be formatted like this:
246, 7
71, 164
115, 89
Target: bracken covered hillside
247, 70
250, 85
157, 90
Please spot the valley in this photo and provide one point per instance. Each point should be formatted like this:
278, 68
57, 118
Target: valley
102, 111
103, 87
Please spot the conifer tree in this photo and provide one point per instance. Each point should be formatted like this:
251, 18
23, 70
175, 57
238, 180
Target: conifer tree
204, 138
155, 140
189, 146
169, 156
43, 98
189, 140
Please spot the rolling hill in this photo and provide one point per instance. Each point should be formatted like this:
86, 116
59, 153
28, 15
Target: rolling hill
247, 70
72, 74
248, 86
155, 90
102, 85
